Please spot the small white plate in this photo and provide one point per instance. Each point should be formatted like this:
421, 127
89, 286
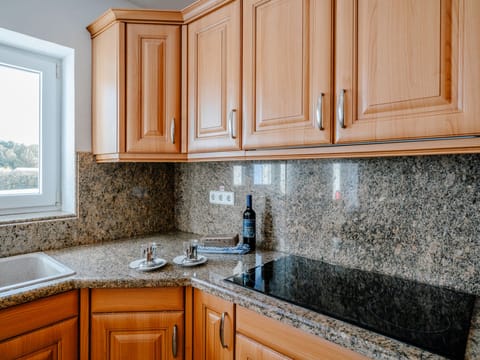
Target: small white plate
180, 260
140, 264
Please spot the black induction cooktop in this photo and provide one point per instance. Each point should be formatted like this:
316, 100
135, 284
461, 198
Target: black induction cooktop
429, 317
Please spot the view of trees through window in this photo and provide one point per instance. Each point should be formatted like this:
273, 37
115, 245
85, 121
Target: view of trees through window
18, 166
19, 130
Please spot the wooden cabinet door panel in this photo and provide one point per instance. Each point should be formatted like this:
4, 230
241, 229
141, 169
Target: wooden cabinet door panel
404, 72
287, 68
286, 340
136, 335
108, 97
153, 88
55, 342
248, 349
214, 114
208, 312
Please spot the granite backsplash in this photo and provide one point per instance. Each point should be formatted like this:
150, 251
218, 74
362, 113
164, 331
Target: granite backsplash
114, 201
414, 217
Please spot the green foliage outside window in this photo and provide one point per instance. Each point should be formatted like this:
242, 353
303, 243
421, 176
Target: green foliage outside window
14, 155
18, 166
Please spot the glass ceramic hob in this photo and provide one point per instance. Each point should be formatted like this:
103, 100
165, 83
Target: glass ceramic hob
432, 318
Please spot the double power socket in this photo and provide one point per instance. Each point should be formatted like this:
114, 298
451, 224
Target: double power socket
222, 197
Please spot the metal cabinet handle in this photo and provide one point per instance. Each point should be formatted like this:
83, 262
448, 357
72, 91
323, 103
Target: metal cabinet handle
341, 108
174, 341
232, 124
172, 130
319, 112
222, 330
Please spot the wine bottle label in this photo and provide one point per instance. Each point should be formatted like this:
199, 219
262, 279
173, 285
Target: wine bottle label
249, 228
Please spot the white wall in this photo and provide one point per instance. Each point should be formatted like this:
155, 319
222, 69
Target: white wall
64, 22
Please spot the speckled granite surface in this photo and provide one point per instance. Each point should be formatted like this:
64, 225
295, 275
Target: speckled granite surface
114, 201
414, 217
106, 265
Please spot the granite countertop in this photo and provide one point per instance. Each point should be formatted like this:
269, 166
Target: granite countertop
106, 266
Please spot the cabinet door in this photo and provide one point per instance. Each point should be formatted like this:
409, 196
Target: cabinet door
273, 339
212, 327
248, 349
137, 335
54, 342
406, 74
108, 82
153, 88
287, 72
214, 115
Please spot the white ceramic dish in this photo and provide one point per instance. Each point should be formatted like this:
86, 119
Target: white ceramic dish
140, 264
180, 260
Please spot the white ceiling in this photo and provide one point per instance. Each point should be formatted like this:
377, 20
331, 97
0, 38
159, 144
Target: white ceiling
162, 4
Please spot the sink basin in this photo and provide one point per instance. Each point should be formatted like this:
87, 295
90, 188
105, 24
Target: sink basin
28, 269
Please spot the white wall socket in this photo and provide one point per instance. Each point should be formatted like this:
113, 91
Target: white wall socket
222, 197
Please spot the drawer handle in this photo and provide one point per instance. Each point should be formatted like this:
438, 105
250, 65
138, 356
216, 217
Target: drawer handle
222, 330
172, 130
232, 124
174, 341
319, 112
341, 108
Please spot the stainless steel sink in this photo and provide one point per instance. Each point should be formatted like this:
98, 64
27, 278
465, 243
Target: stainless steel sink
28, 269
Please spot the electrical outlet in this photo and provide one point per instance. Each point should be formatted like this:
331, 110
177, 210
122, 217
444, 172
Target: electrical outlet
222, 197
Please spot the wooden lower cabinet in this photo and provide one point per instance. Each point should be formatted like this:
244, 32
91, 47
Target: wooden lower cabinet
262, 338
45, 329
213, 327
143, 335
143, 324
54, 342
248, 349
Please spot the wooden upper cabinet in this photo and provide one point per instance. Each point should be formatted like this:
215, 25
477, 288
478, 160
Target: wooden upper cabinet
409, 69
153, 88
287, 72
136, 88
214, 113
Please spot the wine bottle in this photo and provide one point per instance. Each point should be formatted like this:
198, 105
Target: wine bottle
249, 228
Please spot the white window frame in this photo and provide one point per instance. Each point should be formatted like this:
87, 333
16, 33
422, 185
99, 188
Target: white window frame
48, 197
55, 63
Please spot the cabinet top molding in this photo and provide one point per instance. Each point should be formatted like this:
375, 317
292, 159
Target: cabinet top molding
200, 8
178, 17
144, 16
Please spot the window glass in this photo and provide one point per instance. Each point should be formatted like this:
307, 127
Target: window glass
20, 118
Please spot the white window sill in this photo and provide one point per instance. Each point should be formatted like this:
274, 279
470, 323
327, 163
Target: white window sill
41, 216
